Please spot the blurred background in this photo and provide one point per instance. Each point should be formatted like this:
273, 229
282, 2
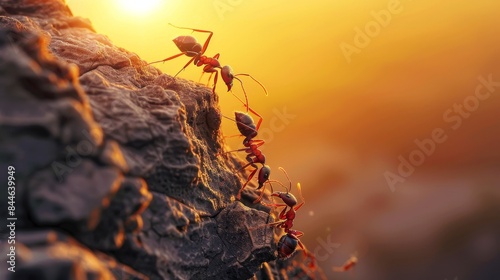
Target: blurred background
353, 88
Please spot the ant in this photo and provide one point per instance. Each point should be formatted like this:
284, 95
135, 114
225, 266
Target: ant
189, 46
249, 129
287, 215
349, 264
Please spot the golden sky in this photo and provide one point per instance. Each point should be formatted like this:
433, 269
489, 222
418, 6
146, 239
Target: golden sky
419, 58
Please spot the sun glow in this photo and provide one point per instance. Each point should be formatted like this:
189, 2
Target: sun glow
139, 7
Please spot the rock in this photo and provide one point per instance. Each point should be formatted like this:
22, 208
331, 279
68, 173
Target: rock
117, 166
48, 255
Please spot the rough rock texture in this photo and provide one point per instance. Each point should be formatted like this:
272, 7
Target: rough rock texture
117, 173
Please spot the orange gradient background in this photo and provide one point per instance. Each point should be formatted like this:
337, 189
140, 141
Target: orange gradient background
352, 120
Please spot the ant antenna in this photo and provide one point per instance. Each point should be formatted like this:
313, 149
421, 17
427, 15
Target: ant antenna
276, 181
180, 27
286, 174
248, 75
262, 192
229, 118
244, 92
271, 185
246, 98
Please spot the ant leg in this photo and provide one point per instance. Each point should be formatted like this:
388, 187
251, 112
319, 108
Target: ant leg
232, 136
248, 164
238, 150
209, 78
244, 92
260, 196
259, 116
239, 99
210, 69
248, 180
250, 159
276, 205
274, 224
258, 142
202, 73
262, 192
229, 118
298, 206
168, 58
207, 41
283, 214
205, 45
187, 64
215, 81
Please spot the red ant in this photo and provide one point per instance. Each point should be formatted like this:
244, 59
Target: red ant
191, 48
287, 217
249, 129
349, 264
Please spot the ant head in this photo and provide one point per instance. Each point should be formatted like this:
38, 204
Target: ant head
264, 174
228, 76
187, 43
287, 198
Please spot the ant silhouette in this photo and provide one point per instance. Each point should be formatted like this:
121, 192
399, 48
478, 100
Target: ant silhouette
189, 46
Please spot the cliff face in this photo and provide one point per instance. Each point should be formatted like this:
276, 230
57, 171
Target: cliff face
116, 164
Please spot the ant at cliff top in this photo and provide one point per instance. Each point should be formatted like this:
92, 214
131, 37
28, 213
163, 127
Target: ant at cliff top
189, 46
287, 215
249, 130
